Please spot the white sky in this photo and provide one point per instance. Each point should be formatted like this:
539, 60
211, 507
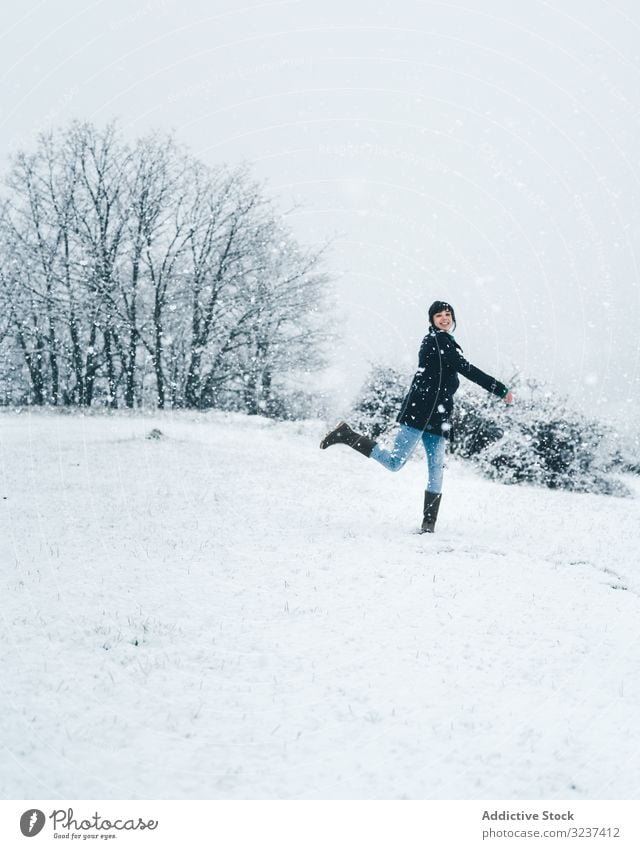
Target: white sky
484, 152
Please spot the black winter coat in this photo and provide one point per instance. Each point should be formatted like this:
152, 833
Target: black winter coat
429, 402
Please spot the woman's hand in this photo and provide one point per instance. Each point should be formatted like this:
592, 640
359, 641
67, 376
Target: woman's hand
508, 398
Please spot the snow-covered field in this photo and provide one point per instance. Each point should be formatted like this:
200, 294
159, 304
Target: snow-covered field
229, 612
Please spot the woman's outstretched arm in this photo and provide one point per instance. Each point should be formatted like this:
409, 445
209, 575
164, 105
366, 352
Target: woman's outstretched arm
453, 356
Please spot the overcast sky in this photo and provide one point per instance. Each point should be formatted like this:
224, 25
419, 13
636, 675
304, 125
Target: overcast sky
484, 152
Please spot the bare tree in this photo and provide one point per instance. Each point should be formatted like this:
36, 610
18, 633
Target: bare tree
287, 336
124, 260
100, 223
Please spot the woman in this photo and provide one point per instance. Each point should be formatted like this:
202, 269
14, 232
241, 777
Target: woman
426, 411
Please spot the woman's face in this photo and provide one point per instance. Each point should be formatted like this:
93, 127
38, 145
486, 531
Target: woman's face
443, 320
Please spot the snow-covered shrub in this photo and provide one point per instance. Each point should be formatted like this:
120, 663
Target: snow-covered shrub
379, 400
627, 452
294, 405
539, 440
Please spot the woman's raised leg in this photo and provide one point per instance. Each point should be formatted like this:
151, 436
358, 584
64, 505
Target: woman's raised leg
404, 442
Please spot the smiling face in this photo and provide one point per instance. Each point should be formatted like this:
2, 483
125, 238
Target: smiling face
443, 320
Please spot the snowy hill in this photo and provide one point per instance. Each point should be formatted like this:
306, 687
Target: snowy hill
228, 612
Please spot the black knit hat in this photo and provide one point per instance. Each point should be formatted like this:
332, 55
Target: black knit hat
441, 306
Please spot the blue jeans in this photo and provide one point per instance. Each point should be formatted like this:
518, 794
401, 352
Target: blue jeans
405, 441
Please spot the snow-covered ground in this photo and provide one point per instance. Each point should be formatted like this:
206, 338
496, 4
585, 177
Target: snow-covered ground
229, 612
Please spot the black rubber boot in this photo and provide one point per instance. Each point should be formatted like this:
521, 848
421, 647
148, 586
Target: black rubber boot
430, 512
342, 433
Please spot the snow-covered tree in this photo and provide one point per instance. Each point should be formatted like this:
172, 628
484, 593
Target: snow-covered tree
130, 268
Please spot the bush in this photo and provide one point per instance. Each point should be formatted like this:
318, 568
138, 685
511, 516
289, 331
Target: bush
539, 440
379, 401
